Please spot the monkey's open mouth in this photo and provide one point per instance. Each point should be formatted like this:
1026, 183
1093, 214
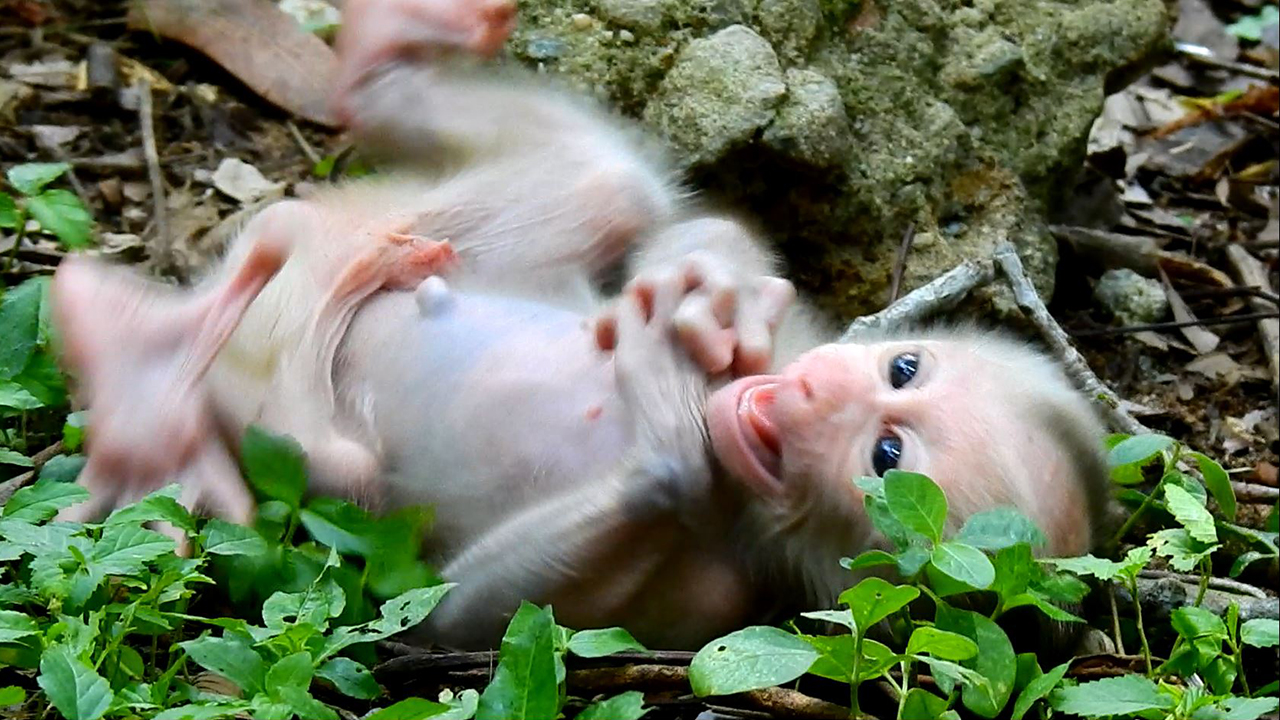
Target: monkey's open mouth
753, 412
743, 434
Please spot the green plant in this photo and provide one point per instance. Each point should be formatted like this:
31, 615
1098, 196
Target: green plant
32, 390
57, 211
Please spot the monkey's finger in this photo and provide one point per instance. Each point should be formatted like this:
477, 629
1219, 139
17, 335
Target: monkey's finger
668, 291
103, 492
757, 322
710, 345
606, 331
218, 486
705, 272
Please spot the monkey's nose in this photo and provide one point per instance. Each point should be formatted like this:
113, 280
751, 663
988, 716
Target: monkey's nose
828, 381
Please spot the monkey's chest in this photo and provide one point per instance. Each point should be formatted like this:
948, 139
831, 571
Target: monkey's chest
483, 405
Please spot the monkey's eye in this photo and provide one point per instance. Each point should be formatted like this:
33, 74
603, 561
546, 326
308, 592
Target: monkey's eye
902, 368
887, 452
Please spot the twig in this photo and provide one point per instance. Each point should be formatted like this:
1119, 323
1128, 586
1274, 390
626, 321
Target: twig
147, 121
1217, 583
17, 482
1252, 273
940, 294
303, 145
1233, 291
1115, 618
1253, 492
1027, 298
1175, 324
900, 262
1197, 54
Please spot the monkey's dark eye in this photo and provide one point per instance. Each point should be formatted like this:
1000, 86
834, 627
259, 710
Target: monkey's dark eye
887, 452
902, 368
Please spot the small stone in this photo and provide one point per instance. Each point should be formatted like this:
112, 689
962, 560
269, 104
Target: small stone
243, 181
581, 21
1131, 298
812, 125
636, 14
545, 48
626, 36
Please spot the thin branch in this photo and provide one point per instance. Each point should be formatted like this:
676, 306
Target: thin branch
1217, 583
1203, 56
940, 294
146, 120
303, 145
900, 262
1253, 492
1253, 273
1175, 324
1027, 298
17, 482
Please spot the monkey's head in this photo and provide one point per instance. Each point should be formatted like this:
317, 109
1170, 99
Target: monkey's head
991, 420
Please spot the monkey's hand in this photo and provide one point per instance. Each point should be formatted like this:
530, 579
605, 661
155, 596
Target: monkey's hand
725, 320
377, 32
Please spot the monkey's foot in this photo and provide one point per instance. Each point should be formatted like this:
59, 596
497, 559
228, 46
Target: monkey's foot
140, 353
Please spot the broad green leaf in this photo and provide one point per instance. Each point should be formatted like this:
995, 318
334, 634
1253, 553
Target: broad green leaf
1100, 568
1123, 695
1015, 567
461, 707
965, 563
913, 557
41, 500
314, 606
870, 558
63, 469
15, 625
749, 659
875, 599
303, 705
1138, 449
30, 178
1250, 27
16, 397
160, 506
627, 706
12, 695
1045, 606
73, 431
342, 526
74, 688
9, 456
843, 618
1184, 552
414, 708
1260, 632
940, 643
1241, 708
409, 608
9, 215
917, 502
19, 325
290, 671
599, 643
1037, 689
219, 537
882, 519
835, 661
920, 704
230, 657
995, 660
350, 678
275, 465
1219, 484
524, 684
998, 529
60, 212
1190, 513
1195, 622
126, 549
225, 709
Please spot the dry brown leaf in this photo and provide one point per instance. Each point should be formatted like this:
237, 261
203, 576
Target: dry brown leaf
256, 42
1203, 340
1264, 473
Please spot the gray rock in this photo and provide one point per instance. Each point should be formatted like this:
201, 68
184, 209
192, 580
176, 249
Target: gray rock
1131, 298
811, 125
720, 92
636, 14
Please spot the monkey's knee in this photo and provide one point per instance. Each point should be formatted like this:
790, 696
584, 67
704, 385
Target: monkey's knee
620, 202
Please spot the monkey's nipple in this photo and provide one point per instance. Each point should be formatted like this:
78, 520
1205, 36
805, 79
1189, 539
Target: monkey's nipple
754, 409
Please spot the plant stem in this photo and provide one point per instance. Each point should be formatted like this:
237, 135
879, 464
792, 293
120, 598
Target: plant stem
18, 234
1132, 584
854, 711
1205, 572
906, 683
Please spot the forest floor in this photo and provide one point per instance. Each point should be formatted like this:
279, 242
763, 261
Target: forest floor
1182, 184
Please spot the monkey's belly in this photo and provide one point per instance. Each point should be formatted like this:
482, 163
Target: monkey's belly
481, 405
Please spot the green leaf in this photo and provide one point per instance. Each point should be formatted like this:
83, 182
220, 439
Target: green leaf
870, 558
964, 563
1260, 632
63, 469
1123, 695
160, 506
19, 325
1241, 708
749, 659
1038, 688
293, 671
1184, 552
843, 618
917, 502
1138, 449
1219, 484
231, 657
835, 661
627, 706
1102, 568
998, 529
350, 678
60, 212
15, 625
30, 178
126, 549
73, 431
275, 466
313, 606
9, 215
397, 614
1046, 606
74, 688
219, 537
16, 397
41, 500
1250, 27
920, 704
13, 457
1190, 513
229, 708
525, 684
995, 660
414, 708
874, 599
940, 643
1195, 622
599, 643
12, 695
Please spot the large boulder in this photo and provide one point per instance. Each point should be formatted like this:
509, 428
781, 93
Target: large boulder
840, 124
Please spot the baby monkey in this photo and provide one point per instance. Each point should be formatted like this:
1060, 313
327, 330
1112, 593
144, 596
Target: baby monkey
678, 460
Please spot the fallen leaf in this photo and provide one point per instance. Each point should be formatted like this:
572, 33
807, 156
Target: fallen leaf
1152, 339
1236, 436
1264, 473
1214, 366
255, 41
243, 181
50, 73
1203, 340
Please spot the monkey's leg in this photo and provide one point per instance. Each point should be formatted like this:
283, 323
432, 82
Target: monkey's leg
141, 353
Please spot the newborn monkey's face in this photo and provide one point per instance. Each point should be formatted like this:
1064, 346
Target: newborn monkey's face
840, 411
